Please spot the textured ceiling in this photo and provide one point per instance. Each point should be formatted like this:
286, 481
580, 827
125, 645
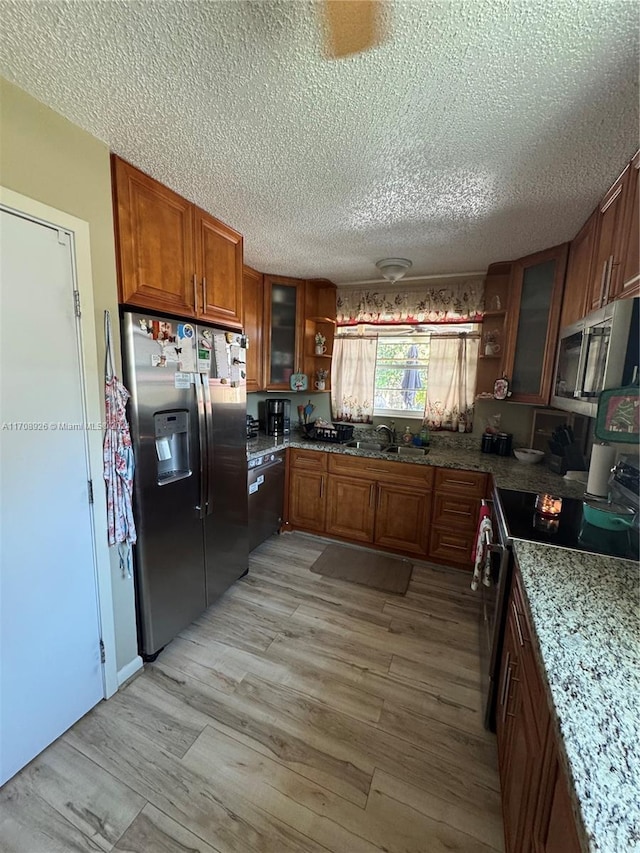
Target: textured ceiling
480, 130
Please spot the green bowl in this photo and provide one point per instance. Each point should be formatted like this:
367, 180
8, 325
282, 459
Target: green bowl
607, 516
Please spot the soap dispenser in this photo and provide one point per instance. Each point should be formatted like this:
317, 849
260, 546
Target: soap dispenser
407, 437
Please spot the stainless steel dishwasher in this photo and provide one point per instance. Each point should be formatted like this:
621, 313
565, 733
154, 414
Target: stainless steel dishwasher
265, 495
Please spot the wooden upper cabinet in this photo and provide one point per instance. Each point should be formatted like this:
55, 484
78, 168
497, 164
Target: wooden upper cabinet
536, 286
579, 272
154, 241
253, 311
627, 282
605, 274
218, 271
496, 314
284, 330
320, 317
172, 256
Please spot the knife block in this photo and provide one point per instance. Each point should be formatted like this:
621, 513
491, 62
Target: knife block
558, 464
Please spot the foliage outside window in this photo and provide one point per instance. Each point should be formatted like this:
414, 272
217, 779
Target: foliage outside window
401, 376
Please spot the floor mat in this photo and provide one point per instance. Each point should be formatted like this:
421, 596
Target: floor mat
379, 571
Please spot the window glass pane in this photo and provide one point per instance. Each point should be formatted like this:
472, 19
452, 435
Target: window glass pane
401, 375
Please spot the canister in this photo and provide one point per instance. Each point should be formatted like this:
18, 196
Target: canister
504, 443
488, 442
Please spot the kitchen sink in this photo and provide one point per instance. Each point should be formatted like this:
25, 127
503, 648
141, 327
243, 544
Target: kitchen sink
394, 449
366, 445
407, 450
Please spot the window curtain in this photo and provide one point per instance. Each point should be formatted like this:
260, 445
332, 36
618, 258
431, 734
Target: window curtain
353, 368
432, 302
451, 381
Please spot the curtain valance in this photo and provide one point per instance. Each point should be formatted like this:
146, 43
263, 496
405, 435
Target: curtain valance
429, 302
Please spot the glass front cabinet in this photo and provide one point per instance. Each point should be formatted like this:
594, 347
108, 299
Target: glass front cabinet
536, 296
284, 326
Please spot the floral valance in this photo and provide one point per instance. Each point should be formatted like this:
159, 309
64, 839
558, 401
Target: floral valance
429, 302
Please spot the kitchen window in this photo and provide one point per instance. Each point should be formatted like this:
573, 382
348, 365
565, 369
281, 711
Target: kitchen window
400, 382
386, 373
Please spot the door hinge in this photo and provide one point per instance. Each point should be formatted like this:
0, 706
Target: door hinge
103, 656
90, 482
76, 302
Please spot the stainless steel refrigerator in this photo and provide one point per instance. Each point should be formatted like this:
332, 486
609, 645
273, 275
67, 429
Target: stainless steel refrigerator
188, 426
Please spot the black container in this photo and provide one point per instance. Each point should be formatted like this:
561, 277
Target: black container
488, 442
503, 443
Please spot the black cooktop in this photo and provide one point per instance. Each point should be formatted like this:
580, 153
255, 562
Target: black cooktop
571, 531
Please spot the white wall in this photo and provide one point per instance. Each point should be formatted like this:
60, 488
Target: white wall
45, 157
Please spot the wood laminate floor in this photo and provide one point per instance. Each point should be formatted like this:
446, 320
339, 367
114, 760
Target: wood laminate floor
299, 713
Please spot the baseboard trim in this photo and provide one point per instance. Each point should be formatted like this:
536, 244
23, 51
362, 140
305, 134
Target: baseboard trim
130, 669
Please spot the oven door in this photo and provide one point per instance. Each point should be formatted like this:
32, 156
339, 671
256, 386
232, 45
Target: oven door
494, 599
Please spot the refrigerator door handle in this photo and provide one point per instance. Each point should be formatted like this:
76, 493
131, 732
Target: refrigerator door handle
210, 450
202, 436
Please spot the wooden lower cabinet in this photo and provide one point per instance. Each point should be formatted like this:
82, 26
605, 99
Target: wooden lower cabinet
555, 827
386, 503
454, 519
351, 508
363, 500
307, 502
536, 805
402, 518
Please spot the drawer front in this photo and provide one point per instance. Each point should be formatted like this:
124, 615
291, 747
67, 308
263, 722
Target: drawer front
465, 482
451, 546
381, 469
308, 460
458, 511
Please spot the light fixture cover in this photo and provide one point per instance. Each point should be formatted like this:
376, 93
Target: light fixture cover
393, 268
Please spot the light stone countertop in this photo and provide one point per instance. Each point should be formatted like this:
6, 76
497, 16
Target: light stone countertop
508, 473
585, 612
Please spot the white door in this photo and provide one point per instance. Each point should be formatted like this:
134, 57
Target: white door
50, 669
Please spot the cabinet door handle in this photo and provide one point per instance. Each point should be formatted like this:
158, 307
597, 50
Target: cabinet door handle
610, 265
371, 494
322, 486
204, 294
195, 293
603, 279
516, 619
505, 693
379, 490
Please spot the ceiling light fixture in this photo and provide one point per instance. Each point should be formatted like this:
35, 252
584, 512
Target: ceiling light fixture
393, 268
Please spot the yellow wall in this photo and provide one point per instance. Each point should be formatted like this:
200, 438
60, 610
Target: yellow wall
45, 157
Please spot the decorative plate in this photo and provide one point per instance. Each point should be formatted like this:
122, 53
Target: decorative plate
299, 382
501, 389
618, 417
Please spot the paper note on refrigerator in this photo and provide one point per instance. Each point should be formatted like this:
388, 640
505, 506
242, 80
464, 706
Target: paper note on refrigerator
187, 356
221, 354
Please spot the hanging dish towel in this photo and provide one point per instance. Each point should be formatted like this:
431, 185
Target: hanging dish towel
481, 555
118, 459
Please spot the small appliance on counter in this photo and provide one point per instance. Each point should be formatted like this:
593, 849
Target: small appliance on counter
276, 416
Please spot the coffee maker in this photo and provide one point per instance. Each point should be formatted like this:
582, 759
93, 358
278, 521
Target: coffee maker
277, 416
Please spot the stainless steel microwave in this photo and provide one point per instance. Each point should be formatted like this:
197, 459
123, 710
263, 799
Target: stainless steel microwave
596, 353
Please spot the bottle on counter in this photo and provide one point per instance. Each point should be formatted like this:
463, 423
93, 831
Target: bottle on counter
407, 437
424, 435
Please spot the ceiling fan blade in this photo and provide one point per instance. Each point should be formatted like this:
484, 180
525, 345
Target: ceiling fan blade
352, 26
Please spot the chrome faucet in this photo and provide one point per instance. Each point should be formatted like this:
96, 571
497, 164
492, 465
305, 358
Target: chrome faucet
390, 432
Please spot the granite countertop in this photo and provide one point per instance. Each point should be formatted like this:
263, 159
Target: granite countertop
507, 472
585, 614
